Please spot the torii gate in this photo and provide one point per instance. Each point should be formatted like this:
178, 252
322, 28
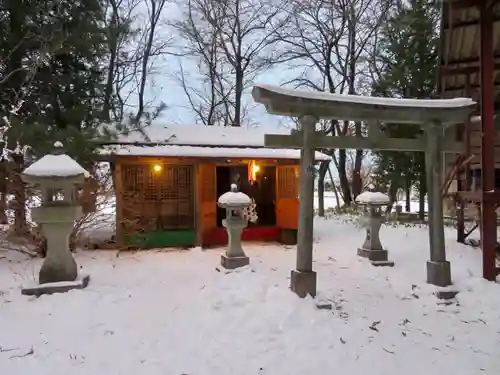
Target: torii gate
434, 115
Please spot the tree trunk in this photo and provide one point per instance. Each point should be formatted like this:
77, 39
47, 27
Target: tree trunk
3, 192
3, 208
323, 168
357, 183
334, 187
344, 182
423, 188
392, 193
112, 169
19, 202
408, 195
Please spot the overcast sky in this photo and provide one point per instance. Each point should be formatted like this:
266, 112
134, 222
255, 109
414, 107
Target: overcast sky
164, 87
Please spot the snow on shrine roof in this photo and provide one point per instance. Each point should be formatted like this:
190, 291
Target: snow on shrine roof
55, 166
199, 135
372, 197
202, 141
206, 152
372, 100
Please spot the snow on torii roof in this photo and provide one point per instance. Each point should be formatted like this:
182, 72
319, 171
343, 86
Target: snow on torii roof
294, 102
203, 141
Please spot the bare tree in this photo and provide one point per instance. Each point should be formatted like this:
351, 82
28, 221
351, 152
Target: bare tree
137, 38
329, 41
205, 89
118, 22
230, 41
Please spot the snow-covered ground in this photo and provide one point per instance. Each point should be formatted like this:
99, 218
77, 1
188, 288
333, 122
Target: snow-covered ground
331, 202
174, 313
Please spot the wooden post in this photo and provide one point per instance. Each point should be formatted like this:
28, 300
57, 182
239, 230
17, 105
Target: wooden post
303, 279
198, 205
119, 235
438, 269
463, 174
488, 214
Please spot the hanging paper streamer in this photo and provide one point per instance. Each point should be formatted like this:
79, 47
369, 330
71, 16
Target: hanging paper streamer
250, 213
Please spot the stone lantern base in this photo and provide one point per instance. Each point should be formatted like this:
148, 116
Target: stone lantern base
232, 263
59, 287
378, 258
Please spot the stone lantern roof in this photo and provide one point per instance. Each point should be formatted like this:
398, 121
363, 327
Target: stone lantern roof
373, 198
55, 166
234, 199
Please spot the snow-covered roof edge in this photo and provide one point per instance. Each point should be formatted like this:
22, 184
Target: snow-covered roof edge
206, 152
198, 135
367, 100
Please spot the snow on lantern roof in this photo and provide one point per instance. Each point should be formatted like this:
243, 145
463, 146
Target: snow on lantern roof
234, 198
374, 198
55, 165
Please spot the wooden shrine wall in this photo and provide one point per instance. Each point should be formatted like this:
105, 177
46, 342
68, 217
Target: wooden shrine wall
182, 196
287, 191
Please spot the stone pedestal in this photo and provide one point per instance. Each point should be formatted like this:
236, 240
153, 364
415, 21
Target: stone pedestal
234, 229
439, 273
234, 202
232, 263
235, 256
372, 248
57, 223
303, 283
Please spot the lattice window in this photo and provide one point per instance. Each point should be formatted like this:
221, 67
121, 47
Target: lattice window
287, 182
133, 177
172, 183
159, 200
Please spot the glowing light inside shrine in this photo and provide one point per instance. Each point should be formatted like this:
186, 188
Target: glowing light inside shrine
253, 169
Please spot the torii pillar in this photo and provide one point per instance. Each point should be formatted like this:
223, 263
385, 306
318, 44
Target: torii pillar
303, 278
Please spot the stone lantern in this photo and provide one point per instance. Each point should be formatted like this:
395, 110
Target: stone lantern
235, 203
372, 221
57, 176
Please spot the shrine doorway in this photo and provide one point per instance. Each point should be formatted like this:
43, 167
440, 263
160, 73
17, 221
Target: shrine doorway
262, 190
